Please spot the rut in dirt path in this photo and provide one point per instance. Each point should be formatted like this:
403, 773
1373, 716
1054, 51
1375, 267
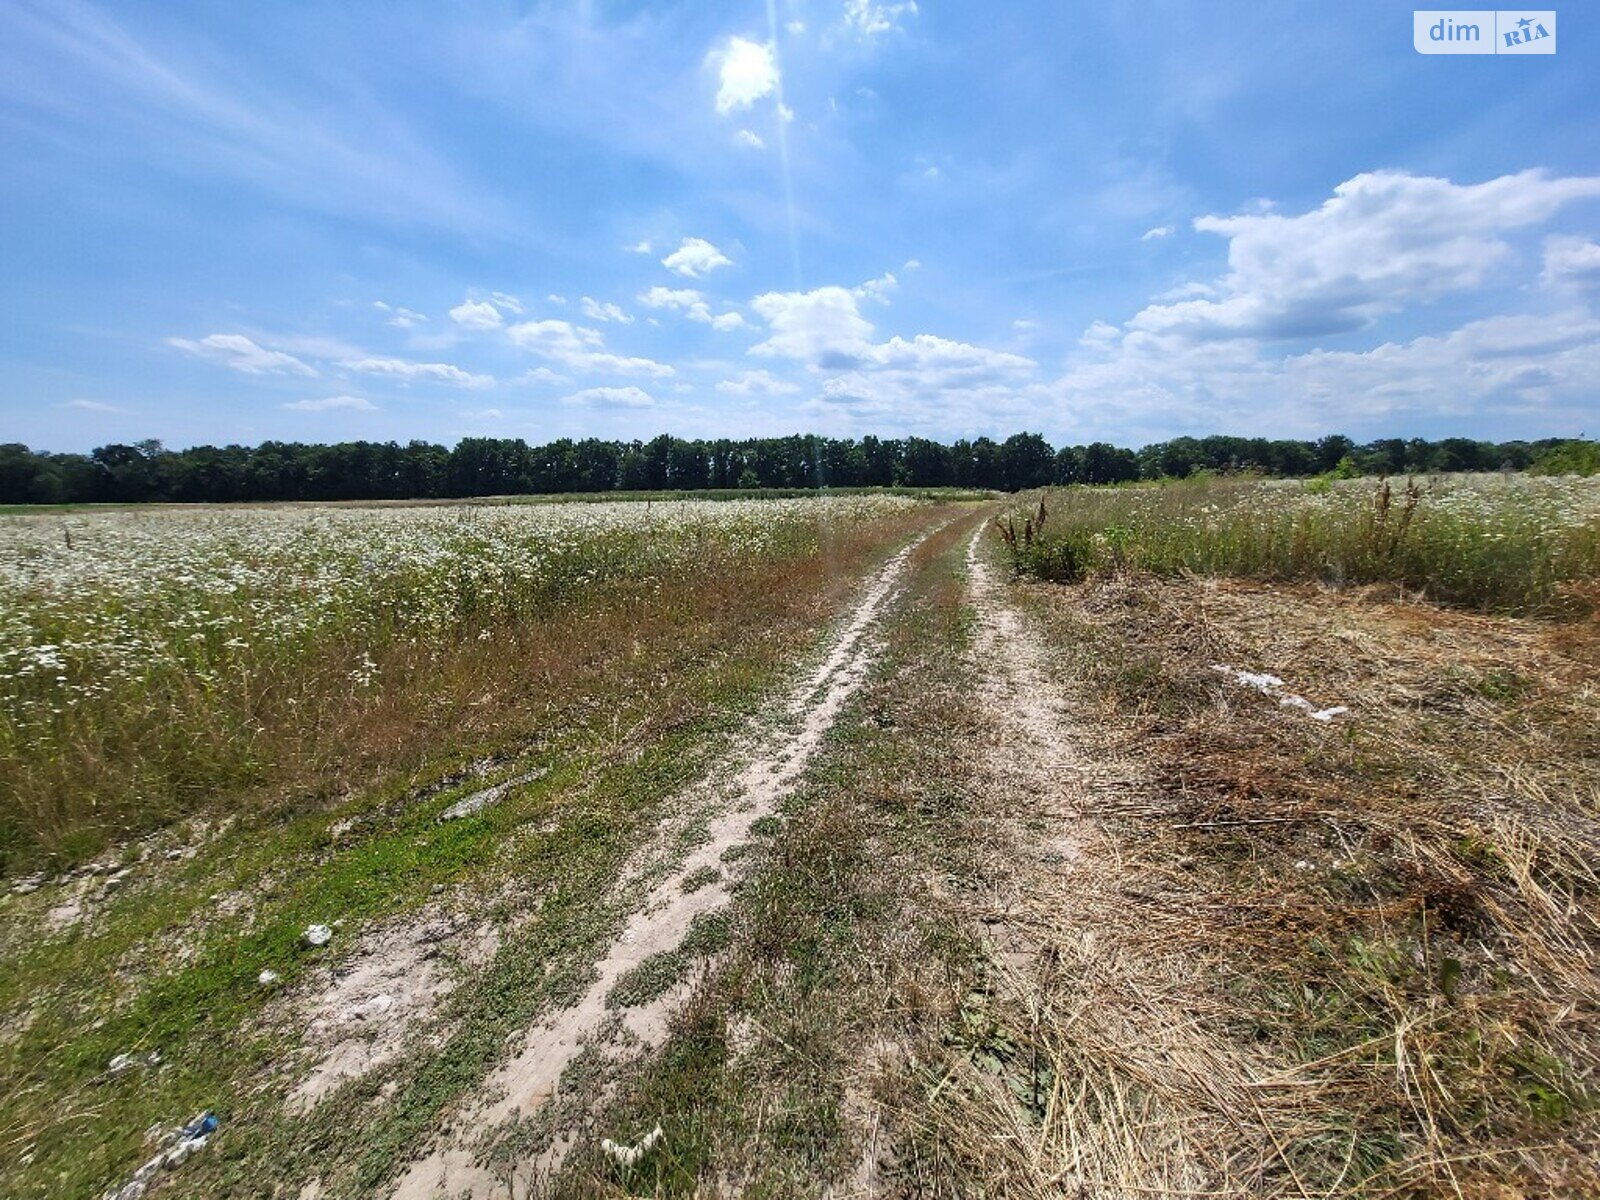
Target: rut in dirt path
1143, 1098
774, 758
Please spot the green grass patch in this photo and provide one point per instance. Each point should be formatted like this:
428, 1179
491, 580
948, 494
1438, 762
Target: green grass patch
1505, 544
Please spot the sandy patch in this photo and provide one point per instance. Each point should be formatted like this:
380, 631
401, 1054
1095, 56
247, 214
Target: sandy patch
361, 1013
774, 761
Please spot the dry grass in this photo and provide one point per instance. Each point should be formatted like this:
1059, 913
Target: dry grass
1154, 934
1258, 954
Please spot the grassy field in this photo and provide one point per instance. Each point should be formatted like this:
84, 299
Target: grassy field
855, 850
1513, 543
150, 660
946, 494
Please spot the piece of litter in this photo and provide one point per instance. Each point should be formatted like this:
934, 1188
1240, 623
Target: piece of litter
123, 1063
269, 978
474, 804
626, 1156
174, 1158
178, 1145
1262, 682
200, 1125
316, 935
1268, 685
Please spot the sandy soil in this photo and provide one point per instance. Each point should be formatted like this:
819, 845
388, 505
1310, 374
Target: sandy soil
774, 758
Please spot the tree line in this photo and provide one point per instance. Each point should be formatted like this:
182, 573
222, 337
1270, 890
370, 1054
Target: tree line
147, 471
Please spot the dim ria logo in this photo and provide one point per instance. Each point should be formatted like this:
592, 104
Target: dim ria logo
1484, 31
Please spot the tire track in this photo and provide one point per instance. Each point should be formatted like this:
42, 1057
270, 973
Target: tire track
1145, 1096
775, 758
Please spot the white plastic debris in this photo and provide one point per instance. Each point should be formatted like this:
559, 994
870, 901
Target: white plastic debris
177, 1145
123, 1063
627, 1156
174, 1158
316, 935
1268, 685
1262, 682
269, 978
474, 804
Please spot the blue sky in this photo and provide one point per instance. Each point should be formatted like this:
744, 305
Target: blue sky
318, 221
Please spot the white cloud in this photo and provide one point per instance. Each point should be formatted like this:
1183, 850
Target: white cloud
821, 327
596, 311
1571, 262
1149, 387
1384, 240
1024, 325
507, 302
932, 383
796, 28
953, 361
692, 304
542, 375
872, 18
923, 382
1199, 359
402, 317
641, 247
555, 339
1100, 335
912, 264
482, 414
476, 314
556, 298
405, 369
239, 353
757, 383
611, 397
665, 297
749, 140
1507, 361
580, 349
94, 406
746, 71
1160, 231
1187, 291
330, 403
696, 258
879, 289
